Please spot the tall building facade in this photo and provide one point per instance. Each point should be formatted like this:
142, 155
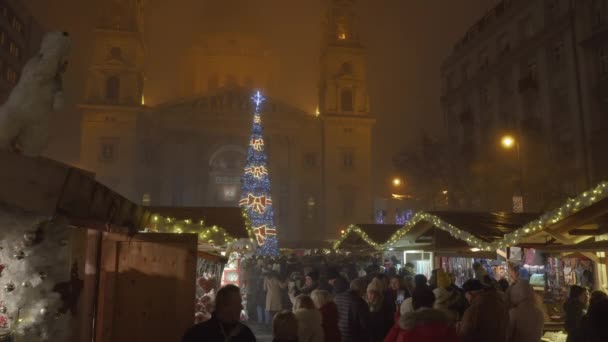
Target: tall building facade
20, 37
532, 70
191, 151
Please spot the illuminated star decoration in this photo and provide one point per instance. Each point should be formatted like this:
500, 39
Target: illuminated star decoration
255, 187
258, 99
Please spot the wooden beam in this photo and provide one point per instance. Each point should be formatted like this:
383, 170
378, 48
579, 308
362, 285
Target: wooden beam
585, 232
584, 216
563, 239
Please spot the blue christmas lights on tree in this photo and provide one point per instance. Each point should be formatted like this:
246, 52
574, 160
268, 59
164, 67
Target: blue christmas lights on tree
255, 187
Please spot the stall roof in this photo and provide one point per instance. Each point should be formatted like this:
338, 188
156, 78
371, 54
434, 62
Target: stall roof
231, 219
579, 219
486, 226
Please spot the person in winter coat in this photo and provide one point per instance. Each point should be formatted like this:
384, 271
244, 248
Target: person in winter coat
285, 327
353, 311
381, 315
398, 289
407, 305
329, 313
310, 321
593, 325
424, 324
446, 298
526, 319
575, 308
224, 325
487, 318
273, 287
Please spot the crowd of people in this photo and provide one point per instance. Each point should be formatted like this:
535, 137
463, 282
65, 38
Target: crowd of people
300, 303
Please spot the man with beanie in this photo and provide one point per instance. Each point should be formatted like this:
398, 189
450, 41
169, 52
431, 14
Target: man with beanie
447, 297
487, 318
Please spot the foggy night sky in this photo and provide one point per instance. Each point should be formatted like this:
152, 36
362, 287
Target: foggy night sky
406, 41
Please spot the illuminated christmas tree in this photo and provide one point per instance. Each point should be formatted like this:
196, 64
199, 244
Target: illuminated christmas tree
255, 187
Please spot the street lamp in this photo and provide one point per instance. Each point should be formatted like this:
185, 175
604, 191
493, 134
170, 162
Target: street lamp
508, 142
396, 181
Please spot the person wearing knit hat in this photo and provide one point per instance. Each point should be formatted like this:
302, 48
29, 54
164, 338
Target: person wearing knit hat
447, 298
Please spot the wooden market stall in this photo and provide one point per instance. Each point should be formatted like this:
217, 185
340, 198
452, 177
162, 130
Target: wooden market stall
122, 271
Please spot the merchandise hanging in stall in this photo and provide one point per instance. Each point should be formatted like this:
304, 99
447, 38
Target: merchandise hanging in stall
209, 270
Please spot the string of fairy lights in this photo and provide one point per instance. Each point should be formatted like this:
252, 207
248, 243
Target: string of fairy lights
571, 206
213, 235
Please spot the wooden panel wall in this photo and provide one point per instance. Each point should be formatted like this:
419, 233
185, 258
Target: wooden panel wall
147, 287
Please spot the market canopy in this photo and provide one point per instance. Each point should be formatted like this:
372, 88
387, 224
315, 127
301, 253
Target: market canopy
578, 219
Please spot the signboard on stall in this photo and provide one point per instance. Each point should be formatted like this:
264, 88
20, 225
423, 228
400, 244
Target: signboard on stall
518, 204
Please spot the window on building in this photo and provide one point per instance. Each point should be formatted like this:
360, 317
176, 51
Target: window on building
346, 97
311, 207
146, 200
552, 7
2, 38
108, 150
465, 72
450, 82
348, 205
557, 55
16, 24
14, 50
310, 160
346, 68
348, 160
11, 75
484, 60
116, 53
113, 89
484, 99
531, 69
598, 13
526, 28
229, 193
4, 11
602, 59
503, 44
213, 82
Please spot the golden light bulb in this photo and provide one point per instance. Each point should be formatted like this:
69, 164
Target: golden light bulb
507, 141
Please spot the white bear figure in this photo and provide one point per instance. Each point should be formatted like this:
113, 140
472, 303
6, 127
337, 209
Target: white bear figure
25, 116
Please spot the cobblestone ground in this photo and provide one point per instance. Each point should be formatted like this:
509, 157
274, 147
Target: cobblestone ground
262, 333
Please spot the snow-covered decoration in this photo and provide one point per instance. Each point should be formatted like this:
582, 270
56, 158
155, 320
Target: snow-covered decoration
36, 293
245, 247
25, 116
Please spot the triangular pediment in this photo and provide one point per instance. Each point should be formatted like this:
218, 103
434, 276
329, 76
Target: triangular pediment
235, 100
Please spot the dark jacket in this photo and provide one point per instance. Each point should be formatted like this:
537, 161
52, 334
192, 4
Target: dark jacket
381, 322
212, 331
428, 325
353, 317
575, 310
331, 332
486, 319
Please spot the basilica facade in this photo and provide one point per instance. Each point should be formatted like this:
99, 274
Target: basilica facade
191, 151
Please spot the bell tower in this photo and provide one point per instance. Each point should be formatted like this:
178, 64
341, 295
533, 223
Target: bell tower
343, 88
347, 124
114, 95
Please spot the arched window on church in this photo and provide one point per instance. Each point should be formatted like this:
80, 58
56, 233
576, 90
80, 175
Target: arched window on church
113, 89
346, 99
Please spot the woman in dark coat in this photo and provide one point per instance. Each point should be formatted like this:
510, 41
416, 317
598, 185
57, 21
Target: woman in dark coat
575, 308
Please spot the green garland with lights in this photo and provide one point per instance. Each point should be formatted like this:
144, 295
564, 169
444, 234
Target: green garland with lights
571, 206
